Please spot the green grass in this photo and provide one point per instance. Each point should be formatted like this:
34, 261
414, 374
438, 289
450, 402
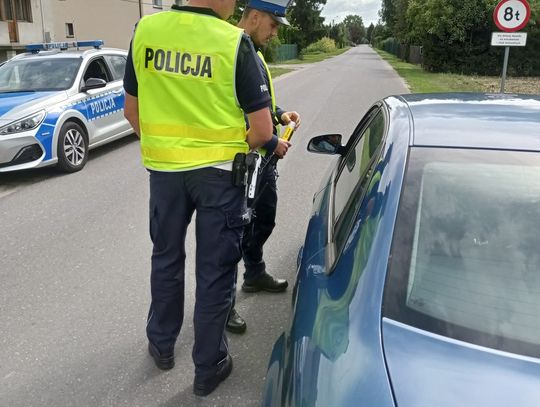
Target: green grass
275, 72
311, 58
420, 81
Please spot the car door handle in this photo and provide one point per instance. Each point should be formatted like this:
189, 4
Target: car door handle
117, 91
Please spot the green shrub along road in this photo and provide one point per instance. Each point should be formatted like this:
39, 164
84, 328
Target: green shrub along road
420, 81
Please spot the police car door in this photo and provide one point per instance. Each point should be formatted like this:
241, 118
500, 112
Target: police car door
103, 105
117, 67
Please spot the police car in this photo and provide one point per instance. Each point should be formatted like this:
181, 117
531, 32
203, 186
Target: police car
57, 102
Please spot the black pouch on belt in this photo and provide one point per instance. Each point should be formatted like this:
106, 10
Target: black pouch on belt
239, 170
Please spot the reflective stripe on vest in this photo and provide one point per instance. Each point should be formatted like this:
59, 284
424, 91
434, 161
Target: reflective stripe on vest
189, 115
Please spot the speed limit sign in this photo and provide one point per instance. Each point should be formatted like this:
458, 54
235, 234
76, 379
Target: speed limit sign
512, 15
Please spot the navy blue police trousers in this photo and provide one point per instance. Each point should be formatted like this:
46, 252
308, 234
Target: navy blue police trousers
264, 220
220, 217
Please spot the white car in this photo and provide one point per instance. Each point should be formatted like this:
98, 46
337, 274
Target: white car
57, 103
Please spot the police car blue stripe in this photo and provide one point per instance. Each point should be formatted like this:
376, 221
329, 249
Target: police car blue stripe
96, 107
45, 133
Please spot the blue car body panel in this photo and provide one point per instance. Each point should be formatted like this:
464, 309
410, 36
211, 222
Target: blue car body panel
12, 100
332, 355
338, 351
454, 373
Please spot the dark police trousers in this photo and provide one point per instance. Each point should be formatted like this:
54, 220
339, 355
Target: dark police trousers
220, 218
259, 230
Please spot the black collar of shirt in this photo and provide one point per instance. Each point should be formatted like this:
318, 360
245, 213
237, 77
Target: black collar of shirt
200, 10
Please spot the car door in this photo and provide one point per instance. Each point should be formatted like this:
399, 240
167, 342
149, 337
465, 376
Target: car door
324, 336
117, 67
104, 106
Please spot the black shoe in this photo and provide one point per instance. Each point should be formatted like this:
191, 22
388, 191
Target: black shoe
235, 323
207, 386
265, 282
163, 362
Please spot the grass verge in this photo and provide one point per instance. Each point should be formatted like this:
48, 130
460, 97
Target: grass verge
420, 81
317, 57
275, 72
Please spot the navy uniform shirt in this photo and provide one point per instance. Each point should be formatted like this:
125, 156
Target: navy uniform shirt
250, 90
272, 144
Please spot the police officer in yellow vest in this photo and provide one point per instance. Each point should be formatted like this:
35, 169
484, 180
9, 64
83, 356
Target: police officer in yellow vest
189, 79
261, 20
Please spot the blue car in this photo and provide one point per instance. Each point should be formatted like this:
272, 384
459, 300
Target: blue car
58, 101
419, 280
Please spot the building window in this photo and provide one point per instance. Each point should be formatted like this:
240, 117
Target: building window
157, 3
21, 10
70, 32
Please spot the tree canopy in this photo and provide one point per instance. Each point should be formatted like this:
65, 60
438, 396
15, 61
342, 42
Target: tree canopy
355, 28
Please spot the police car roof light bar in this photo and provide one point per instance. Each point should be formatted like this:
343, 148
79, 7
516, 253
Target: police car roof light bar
35, 48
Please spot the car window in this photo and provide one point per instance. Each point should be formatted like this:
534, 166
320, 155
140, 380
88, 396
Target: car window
356, 163
465, 261
97, 69
38, 74
117, 64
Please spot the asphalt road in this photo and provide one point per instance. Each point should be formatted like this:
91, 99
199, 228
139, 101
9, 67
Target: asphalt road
74, 262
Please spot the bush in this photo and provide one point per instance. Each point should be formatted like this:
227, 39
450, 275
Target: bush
325, 44
479, 58
272, 50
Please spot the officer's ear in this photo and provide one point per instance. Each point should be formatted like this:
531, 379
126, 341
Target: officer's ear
256, 16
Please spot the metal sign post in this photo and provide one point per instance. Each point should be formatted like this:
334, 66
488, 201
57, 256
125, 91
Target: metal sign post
505, 67
510, 16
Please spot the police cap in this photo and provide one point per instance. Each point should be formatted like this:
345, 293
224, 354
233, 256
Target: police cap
276, 8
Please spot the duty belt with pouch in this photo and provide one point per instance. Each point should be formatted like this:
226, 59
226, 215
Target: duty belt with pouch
245, 172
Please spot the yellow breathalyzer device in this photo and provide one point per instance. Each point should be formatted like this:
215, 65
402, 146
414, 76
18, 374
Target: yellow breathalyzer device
288, 132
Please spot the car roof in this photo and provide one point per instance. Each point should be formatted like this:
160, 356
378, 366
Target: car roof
471, 120
56, 53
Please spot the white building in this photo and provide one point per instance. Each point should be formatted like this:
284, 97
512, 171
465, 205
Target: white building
32, 21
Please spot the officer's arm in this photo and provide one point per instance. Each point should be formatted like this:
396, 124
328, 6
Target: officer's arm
260, 128
131, 112
253, 96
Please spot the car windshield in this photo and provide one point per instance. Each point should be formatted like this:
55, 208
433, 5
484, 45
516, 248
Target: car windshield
38, 74
465, 258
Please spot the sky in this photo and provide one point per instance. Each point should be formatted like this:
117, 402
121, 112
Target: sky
337, 10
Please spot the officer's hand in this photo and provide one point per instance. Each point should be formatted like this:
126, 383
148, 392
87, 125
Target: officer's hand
281, 148
288, 116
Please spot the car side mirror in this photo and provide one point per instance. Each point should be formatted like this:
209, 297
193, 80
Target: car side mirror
327, 144
93, 83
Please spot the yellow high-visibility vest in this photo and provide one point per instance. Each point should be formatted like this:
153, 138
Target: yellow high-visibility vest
262, 151
269, 76
189, 114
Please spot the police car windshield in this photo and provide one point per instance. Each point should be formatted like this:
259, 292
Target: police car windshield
38, 75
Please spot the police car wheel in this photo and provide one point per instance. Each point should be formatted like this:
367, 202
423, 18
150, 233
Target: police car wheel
72, 148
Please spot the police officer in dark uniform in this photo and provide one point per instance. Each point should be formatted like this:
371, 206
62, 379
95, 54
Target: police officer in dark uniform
189, 79
261, 20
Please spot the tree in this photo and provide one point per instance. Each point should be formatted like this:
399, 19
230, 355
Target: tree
355, 28
369, 33
306, 16
380, 33
238, 10
394, 14
455, 36
338, 33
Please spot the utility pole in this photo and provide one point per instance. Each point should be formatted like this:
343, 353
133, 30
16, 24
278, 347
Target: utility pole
140, 9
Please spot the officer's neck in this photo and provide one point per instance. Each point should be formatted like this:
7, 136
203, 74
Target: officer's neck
212, 5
